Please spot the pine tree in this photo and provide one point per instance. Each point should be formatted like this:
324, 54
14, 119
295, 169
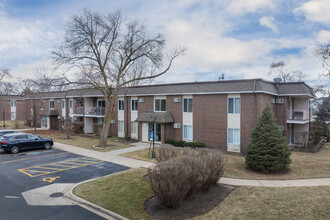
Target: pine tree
268, 150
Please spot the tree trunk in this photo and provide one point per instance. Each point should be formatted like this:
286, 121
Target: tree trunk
106, 125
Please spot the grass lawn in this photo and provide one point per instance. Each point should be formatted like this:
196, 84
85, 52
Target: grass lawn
122, 193
126, 192
81, 141
140, 155
12, 124
303, 166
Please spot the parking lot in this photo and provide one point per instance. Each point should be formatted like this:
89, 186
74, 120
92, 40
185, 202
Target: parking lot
29, 170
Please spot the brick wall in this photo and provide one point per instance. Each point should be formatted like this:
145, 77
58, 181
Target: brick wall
176, 111
210, 120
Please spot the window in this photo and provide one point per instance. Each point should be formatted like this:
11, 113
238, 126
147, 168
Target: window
234, 105
51, 104
71, 120
100, 103
71, 104
133, 126
120, 104
160, 105
187, 132
20, 137
120, 126
13, 103
234, 136
187, 105
134, 104
63, 104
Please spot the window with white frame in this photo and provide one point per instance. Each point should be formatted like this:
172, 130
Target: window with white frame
134, 104
51, 104
134, 127
71, 104
13, 103
234, 105
187, 104
234, 136
121, 104
188, 132
160, 105
120, 126
63, 104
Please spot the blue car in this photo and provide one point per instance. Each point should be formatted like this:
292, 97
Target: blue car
15, 142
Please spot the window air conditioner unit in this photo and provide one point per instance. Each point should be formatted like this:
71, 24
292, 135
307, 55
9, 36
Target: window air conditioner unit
177, 125
58, 101
113, 121
280, 101
141, 99
273, 101
177, 99
281, 128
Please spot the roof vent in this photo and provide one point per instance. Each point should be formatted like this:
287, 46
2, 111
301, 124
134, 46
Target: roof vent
277, 80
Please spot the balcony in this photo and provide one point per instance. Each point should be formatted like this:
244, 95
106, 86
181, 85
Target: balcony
299, 117
89, 111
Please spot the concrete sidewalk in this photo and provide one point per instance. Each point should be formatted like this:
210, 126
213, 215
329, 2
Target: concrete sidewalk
106, 156
113, 156
276, 183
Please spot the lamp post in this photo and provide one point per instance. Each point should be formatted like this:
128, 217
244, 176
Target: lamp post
153, 118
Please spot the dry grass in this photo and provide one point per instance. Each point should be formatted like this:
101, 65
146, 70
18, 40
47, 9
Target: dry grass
122, 193
303, 166
140, 155
81, 141
12, 124
274, 203
126, 192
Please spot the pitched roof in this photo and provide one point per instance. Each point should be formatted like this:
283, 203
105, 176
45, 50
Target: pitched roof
210, 87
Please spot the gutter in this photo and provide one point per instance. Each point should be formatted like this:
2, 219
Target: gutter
255, 100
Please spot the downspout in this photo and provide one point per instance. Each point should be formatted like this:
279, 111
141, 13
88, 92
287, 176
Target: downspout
255, 101
126, 112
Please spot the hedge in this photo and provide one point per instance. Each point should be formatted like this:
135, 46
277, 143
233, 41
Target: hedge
185, 144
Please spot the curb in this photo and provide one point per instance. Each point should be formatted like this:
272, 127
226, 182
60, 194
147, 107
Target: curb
105, 213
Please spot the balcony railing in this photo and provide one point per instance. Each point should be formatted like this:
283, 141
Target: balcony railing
89, 111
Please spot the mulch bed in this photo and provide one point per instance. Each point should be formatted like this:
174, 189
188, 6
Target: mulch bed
202, 203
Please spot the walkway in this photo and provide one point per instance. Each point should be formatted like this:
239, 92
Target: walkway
113, 156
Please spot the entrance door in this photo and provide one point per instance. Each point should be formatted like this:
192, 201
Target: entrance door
158, 131
53, 123
145, 132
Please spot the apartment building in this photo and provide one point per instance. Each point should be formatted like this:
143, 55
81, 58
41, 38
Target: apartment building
12, 107
221, 114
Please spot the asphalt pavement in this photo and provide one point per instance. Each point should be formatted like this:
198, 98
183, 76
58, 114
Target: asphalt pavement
30, 170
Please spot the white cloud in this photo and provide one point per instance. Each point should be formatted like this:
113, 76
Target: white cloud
249, 6
323, 36
315, 10
268, 22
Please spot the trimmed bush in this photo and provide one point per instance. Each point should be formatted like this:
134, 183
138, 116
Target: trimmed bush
182, 172
179, 143
170, 141
268, 150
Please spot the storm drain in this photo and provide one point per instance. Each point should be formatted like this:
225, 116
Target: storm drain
55, 195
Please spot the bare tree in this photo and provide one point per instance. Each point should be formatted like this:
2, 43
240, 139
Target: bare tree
279, 70
108, 53
323, 52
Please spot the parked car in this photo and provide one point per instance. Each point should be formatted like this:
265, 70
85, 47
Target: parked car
15, 142
7, 131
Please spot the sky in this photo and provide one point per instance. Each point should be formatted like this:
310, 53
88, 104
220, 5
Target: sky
237, 38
